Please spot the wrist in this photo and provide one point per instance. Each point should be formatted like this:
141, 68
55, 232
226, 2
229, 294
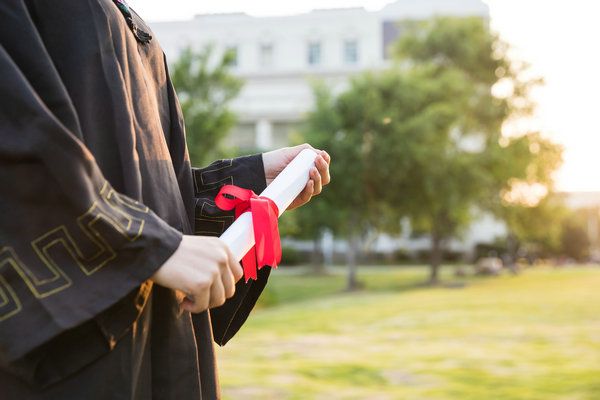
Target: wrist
268, 164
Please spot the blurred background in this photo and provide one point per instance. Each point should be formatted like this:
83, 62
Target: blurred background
456, 253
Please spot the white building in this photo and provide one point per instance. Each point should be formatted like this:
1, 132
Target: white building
279, 56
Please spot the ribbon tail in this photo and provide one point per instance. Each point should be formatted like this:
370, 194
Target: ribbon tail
249, 265
276, 241
273, 239
266, 233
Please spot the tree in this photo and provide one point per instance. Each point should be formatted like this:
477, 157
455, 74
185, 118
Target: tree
204, 91
423, 139
468, 179
338, 208
575, 241
534, 223
575, 237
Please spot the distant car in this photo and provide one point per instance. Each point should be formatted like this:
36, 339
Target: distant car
488, 266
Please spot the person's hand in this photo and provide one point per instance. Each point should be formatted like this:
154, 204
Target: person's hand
275, 161
204, 269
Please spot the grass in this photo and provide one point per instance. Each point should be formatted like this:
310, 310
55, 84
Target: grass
533, 336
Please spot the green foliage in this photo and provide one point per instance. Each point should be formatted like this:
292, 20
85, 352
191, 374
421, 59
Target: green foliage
466, 60
323, 132
575, 242
290, 256
205, 89
424, 140
574, 239
539, 226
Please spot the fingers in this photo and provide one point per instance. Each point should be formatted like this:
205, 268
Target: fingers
228, 282
222, 288
234, 266
187, 305
319, 177
315, 176
217, 294
322, 164
198, 302
202, 272
230, 274
230, 271
324, 155
306, 194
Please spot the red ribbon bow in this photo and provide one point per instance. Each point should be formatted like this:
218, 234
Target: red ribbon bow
267, 247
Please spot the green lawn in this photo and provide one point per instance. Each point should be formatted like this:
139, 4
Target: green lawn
534, 336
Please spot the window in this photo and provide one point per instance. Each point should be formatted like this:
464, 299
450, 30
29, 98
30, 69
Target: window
266, 54
350, 51
314, 53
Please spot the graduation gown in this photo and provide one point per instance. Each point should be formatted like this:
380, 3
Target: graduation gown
96, 191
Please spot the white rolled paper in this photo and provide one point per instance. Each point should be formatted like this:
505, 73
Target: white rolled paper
283, 190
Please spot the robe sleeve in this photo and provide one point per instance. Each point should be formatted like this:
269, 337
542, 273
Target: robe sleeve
246, 172
70, 245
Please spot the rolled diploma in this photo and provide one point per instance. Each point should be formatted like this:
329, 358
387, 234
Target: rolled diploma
283, 190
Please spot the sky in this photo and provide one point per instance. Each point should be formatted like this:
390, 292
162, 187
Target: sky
559, 38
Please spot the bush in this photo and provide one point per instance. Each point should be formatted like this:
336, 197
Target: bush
575, 242
483, 250
290, 256
448, 256
402, 256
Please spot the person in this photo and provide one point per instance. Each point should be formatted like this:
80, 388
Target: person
99, 264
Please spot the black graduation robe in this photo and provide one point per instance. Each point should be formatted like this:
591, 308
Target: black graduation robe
95, 192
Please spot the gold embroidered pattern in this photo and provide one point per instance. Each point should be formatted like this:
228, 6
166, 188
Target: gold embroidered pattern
207, 182
210, 224
90, 251
9, 302
209, 218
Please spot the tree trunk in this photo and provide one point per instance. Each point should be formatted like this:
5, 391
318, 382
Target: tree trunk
512, 248
351, 255
436, 257
317, 259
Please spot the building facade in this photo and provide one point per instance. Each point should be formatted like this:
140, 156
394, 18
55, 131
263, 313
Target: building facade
280, 57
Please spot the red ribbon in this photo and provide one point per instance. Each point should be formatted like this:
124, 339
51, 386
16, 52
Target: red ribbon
267, 247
